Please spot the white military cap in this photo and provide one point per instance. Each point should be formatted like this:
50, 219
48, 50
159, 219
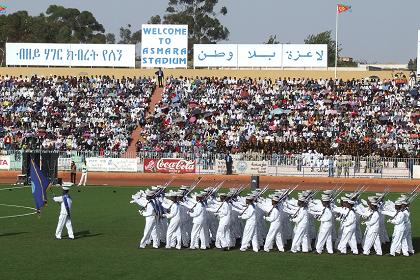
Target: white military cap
350, 202
150, 193
301, 198
207, 189
403, 196
222, 194
171, 194
276, 198
250, 197
344, 199
398, 202
325, 198
65, 188
378, 194
179, 193
154, 188
328, 192
372, 198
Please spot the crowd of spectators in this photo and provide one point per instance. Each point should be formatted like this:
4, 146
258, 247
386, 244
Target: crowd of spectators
285, 116
96, 113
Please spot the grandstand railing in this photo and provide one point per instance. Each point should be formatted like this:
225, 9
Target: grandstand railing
278, 164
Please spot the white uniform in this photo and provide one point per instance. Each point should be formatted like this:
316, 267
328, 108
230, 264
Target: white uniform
83, 178
301, 241
173, 234
399, 239
372, 237
197, 232
408, 233
325, 230
64, 217
348, 235
150, 230
275, 231
250, 234
223, 235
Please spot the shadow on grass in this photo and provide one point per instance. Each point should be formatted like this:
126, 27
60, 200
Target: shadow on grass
85, 234
12, 233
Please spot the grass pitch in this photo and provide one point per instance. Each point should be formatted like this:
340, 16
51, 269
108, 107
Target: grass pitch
108, 230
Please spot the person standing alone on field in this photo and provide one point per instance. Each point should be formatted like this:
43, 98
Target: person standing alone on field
64, 218
229, 163
73, 169
160, 76
83, 179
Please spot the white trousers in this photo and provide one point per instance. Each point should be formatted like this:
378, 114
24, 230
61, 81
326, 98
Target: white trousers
197, 235
83, 179
324, 239
150, 232
372, 239
223, 235
348, 237
274, 234
301, 238
399, 240
173, 235
64, 220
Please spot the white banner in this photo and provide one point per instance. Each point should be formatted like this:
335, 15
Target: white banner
261, 55
416, 171
64, 164
164, 45
243, 167
4, 162
112, 164
215, 55
418, 53
304, 55
88, 55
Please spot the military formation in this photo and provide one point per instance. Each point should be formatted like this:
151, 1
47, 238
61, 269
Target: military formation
201, 220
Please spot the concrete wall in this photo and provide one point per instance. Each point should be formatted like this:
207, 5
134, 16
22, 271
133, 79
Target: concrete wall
119, 72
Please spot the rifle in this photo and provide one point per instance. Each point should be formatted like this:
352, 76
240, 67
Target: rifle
213, 191
237, 192
193, 186
257, 196
287, 193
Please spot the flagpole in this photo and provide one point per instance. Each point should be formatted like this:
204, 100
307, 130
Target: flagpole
336, 43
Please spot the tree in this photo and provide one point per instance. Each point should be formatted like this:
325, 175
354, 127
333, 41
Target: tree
200, 16
412, 64
325, 38
272, 40
110, 38
127, 37
74, 26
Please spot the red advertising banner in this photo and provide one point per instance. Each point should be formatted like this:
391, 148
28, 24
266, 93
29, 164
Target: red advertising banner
169, 165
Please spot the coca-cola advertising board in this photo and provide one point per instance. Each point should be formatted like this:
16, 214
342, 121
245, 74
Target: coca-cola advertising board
169, 165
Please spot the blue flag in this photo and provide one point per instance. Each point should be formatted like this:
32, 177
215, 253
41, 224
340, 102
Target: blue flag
40, 185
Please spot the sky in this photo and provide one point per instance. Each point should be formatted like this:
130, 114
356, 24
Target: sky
376, 31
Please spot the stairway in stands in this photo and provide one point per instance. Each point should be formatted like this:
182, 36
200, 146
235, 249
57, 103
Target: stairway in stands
135, 136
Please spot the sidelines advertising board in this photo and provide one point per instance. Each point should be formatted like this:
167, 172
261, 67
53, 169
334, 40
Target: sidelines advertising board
164, 45
260, 55
212, 55
243, 167
418, 53
169, 165
111, 164
42, 54
4, 162
305, 55
64, 164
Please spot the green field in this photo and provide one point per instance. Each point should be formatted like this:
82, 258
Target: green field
108, 230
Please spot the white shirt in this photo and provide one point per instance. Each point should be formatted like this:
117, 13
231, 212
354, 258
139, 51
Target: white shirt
59, 199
